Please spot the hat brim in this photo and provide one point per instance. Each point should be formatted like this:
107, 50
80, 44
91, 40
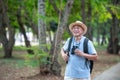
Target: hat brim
80, 24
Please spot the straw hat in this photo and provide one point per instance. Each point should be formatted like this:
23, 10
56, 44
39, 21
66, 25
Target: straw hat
80, 24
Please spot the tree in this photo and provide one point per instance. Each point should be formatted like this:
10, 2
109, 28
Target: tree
9, 24
89, 20
22, 30
55, 49
83, 13
86, 18
113, 46
42, 32
7, 40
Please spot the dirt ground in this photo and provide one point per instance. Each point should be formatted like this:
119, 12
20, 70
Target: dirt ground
10, 72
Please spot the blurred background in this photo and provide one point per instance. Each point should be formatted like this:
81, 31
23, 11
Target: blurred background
32, 33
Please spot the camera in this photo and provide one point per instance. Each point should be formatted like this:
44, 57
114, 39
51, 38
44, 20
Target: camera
73, 49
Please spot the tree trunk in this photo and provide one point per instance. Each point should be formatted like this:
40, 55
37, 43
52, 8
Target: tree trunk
89, 26
42, 33
83, 13
41, 23
22, 30
31, 23
98, 35
113, 46
6, 39
55, 49
103, 34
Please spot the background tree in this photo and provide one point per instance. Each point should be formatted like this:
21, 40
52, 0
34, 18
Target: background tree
113, 46
7, 40
55, 49
42, 32
22, 30
89, 20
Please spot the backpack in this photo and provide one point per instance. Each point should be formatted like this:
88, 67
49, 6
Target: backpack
85, 47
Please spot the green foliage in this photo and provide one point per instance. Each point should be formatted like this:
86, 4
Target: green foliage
115, 9
99, 11
51, 14
11, 12
60, 4
66, 35
40, 57
75, 12
31, 60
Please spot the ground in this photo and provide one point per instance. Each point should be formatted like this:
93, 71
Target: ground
10, 71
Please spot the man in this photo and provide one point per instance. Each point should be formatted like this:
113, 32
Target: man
76, 68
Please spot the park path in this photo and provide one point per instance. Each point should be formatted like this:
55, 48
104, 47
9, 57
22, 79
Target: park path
111, 74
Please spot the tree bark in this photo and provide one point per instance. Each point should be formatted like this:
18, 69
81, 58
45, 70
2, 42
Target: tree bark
41, 23
7, 40
89, 19
55, 49
42, 34
83, 13
113, 46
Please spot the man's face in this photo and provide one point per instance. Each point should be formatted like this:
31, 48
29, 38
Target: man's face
77, 31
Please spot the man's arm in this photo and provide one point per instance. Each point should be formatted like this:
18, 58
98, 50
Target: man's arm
88, 56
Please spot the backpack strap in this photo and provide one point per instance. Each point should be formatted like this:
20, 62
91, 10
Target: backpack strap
85, 44
69, 45
85, 47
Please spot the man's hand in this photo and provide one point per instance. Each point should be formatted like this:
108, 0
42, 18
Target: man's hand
65, 57
78, 52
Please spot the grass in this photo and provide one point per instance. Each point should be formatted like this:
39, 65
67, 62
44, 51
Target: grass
20, 58
19, 63
13, 62
100, 48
